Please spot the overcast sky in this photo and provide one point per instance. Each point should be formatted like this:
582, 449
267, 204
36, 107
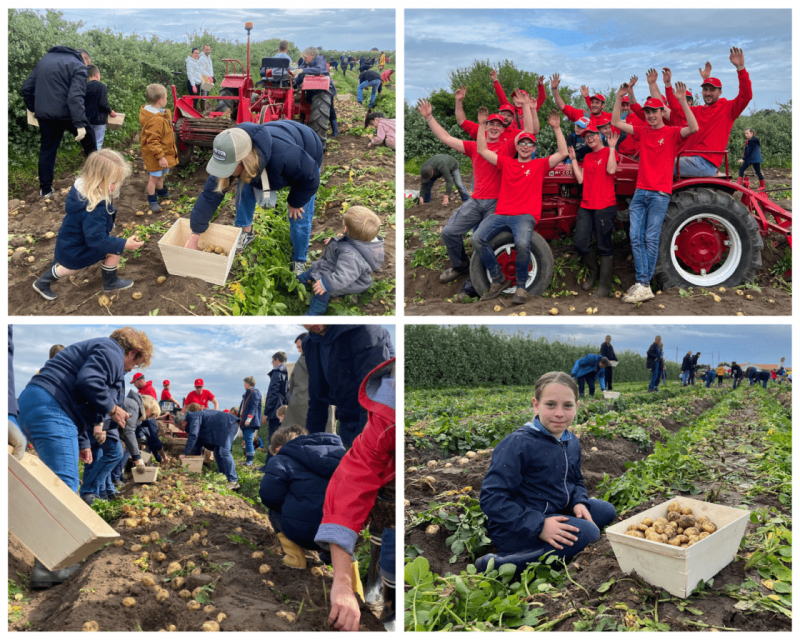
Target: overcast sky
603, 48
339, 29
222, 355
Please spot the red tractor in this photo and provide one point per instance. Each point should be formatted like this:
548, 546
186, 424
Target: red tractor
240, 100
709, 237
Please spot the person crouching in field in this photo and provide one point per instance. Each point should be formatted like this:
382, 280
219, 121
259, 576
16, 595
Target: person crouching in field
385, 130
294, 485
533, 493
215, 430
84, 237
158, 143
348, 261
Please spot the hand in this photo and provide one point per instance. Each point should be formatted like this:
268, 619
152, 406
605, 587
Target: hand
705, 73
740, 161
163, 163
493, 75
85, 456
623, 90
421, 200
556, 531
680, 91
540, 81
446, 200
164, 456
326, 241
192, 242
581, 511
118, 414
425, 109
345, 613
632, 82
612, 139
483, 115
194, 89
247, 422
737, 58
571, 153
555, 80
99, 434
554, 119
181, 457
584, 91
461, 93
17, 440
113, 114
133, 243
81, 134
318, 288
296, 213
666, 76
652, 76
521, 98
138, 466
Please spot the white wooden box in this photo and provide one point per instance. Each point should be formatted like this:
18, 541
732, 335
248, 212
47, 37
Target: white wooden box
675, 569
32, 119
193, 463
205, 85
611, 395
49, 518
146, 457
115, 122
149, 475
211, 267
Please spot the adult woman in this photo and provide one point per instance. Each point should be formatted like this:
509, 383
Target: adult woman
313, 64
598, 209
194, 77
265, 158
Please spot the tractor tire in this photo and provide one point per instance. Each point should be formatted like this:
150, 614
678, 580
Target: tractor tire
541, 265
185, 154
740, 257
227, 105
320, 118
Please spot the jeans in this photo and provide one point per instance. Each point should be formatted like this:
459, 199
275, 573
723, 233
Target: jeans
588, 379
388, 551
375, 85
247, 435
53, 433
225, 463
522, 228
106, 456
695, 166
467, 216
684, 378
462, 191
51, 132
647, 211
597, 221
655, 377
756, 167
737, 380
99, 134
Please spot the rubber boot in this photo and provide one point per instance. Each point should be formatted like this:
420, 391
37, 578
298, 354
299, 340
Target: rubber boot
372, 594
42, 285
355, 579
604, 286
161, 194
152, 202
112, 282
388, 613
590, 260
761, 186
334, 128
295, 555
248, 461
43, 578
740, 180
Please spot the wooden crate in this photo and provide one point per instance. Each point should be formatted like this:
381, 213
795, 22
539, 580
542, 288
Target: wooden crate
146, 457
206, 84
32, 119
211, 267
611, 395
193, 463
676, 569
49, 518
150, 475
116, 122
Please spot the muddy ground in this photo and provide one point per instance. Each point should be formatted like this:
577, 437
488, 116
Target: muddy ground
79, 294
283, 599
597, 563
425, 295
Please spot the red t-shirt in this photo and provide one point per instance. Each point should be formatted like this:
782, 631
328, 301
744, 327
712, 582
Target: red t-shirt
166, 395
521, 186
658, 150
576, 114
509, 133
487, 175
630, 145
147, 390
203, 398
598, 184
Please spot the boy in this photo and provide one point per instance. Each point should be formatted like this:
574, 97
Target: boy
158, 143
276, 392
97, 109
348, 261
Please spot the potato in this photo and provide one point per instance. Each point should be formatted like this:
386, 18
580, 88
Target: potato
641, 527
185, 594
128, 602
694, 539
663, 521
673, 516
703, 519
159, 556
264, 568
632, 527
211, 625
664, 538
119, 543
686, 511
147, 581
680, 530
686, 521
221, 617
709, 527
634, 534
131, 523
704, 535
193, 605
432, 529
675, 542
173, 567
658, 527
257, 555
691, 531
162, 595
137, 295
204, 542
172, 627
653, 536
91, 626
154, 537
161, 279
317, 572
136, 548
178, 582
287, 615
685, 545
144, 539
673, 506
209, 608
648, 522
197, 591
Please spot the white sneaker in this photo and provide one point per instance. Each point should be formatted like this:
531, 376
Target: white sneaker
298, 267
642, 293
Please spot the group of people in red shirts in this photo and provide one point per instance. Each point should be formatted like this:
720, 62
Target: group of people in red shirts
508, 178
200, 394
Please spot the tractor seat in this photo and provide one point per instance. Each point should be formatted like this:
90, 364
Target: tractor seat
275, 63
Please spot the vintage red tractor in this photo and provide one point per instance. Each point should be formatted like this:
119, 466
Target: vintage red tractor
240, 100
709, 237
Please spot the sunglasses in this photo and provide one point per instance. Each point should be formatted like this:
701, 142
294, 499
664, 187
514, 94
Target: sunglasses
526, 143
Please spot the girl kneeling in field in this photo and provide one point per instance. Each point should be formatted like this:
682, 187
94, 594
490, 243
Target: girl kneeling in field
533, 493
84, 236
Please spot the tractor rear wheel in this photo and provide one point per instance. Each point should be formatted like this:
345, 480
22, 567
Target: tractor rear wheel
708, 239
540, 271
227, 105
320, 118
185, 151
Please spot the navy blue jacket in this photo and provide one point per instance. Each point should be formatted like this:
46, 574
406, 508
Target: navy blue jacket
56, 88
586, 365
687, 365
296, 479
653, 356
86, 379
532, 476
13, 407
277, 391
752, 151
607, 351
337, 363
210, 428
695, 358
763, 375
318, 67
736, 371
251, 406
84, 237
97, 108
292, 155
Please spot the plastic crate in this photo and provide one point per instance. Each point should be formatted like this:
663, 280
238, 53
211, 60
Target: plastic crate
211, 267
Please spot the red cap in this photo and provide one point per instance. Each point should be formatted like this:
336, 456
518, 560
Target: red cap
136, 376
525, 134
521, 92
166, 383
689, 94
506, 107
598, 96
198, 382
589, 129
653, 103
626, 99
714, 82
495, 116
225, 411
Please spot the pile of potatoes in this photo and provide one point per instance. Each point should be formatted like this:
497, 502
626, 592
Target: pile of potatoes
218, 250
680, 528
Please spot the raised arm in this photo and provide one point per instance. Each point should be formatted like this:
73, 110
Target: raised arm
554, 120
555, 80
576, 168
691, 122
530, 122
426, 111
611, 166
705, 74
460, 115
745, 86
652, 82
498, 88
541, 93
483, 147
616, 114
585, 94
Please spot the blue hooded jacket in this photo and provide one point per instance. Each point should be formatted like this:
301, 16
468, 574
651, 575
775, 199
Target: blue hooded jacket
84, 237
210, 428
277, 391
251, 406
296, 479
532, 476
290, 152
587, 364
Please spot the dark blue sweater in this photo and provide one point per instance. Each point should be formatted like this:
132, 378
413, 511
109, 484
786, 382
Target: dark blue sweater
752, 151
13, 407
56, 88
276, 392
251, 406
210, 428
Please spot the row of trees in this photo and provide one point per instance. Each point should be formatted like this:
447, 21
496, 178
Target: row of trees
475, 355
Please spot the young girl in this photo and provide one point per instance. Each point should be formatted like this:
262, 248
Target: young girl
751, 155
84, 236
385, 127
533, 493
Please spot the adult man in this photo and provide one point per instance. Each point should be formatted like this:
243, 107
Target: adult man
201, 396
249, 417
607, 351
214, 430
438, 166
693, 371
595, 103
297, 408
55, 91
371, 79
338, 358
659, 144
587, 369
752, 375
278, 74
206, 68
736, 374
516, 95
686, 368
145, 387
276, 392
505, 111
654, 355
168, 403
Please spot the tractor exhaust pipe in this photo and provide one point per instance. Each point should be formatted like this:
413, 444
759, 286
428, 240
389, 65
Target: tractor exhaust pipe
248, 26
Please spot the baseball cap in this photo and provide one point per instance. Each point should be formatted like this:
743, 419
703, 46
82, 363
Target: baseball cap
524, 134
598, 96
626, 99
198, 382
522, 92
166, 383
506, 107
653, 103
495, 116
582, 122
689, 94
589, 129
136, 376
714, 82
230, 147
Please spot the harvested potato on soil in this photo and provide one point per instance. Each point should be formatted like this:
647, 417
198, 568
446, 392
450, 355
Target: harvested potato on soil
119, 543
173, 567
128, 602
209, 608
287, 615
257, 555
193, 605
211, 625
221, 617
136, 548
185, 594
147, 581
91, 626
264, 568
432, 529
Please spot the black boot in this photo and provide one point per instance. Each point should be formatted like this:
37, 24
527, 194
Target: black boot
590, 260
42, 285
112, 282
604, 286
372, 592
162, 193
388, 612
43, 578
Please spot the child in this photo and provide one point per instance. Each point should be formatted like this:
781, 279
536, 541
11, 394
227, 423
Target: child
533, 494
720, 374
158, 143
96, 101
294, 485
385, 130
751, 155
147, 430
347, 263
84, 236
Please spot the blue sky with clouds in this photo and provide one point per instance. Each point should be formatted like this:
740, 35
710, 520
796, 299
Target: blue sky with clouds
222, 355
338, 29
603, 48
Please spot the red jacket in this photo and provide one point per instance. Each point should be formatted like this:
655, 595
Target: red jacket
501, 97
147, 390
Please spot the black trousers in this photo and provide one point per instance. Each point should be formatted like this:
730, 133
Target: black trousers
52, 132
597, 221
589, 380
608, 372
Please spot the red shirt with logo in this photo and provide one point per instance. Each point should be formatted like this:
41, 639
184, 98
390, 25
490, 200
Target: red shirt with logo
598, 184
203, 398
509, 133
630, 145
487, 175
658, 150
521, 186
575, 114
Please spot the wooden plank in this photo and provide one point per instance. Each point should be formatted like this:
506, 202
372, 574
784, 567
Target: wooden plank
150, 474
211, 267
49, 518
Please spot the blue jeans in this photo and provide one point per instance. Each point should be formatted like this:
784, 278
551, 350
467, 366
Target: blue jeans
247, 434
375, 84
462, 191
467, 216
388, 551
695, 166
225, 463
522, 228
99, 134
95, 475
655, 377
685, 378
647, 211
737, 380
52, 432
